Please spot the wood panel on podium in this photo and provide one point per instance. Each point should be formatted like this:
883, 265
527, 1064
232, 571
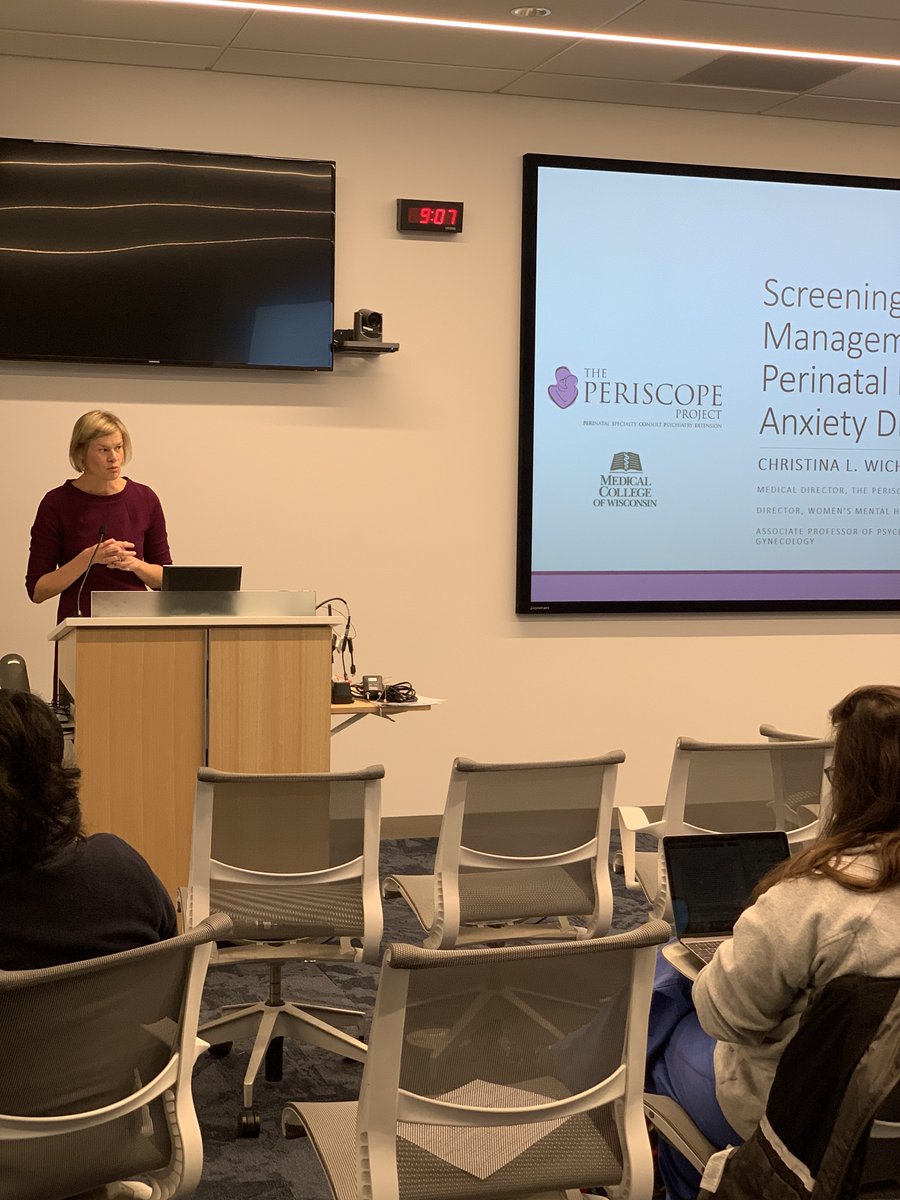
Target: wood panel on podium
158, 697
270, 698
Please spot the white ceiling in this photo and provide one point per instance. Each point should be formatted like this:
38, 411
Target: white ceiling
262, 43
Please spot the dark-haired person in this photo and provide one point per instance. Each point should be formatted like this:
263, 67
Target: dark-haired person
832, 910
63, 896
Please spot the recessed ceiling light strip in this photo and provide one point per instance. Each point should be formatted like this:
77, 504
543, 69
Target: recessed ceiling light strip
303, 10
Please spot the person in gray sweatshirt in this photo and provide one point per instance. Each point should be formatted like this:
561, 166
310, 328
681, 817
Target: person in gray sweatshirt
832, 910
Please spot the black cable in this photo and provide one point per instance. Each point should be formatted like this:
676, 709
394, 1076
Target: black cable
332, 600
346, 638
394, 693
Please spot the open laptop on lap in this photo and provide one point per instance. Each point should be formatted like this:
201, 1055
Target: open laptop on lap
711, 878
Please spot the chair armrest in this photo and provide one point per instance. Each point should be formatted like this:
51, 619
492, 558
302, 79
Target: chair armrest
670, 1120
634, 819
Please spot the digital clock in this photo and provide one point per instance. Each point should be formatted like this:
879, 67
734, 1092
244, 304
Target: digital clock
430, 216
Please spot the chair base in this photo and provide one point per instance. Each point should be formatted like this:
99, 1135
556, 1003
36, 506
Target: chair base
265, 1022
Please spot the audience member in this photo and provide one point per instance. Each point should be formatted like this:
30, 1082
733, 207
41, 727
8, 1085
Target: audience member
831, 910
63, 896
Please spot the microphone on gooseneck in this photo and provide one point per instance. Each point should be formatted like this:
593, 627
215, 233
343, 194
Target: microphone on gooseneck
87, 571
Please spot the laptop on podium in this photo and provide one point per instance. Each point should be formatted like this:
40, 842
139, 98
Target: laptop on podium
711, 877
201, 579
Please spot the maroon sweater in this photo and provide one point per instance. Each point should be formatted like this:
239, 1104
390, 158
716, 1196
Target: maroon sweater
69, 519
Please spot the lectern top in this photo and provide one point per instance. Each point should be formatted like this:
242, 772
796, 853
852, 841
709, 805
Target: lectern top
194, 621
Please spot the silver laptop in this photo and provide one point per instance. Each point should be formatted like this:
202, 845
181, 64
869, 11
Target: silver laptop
711, 878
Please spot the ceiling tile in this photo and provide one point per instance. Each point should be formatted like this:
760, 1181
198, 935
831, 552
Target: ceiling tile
157, 34
617, 61
627, 91
361, 70
706, 21
565, 14
765, 73
396, 43
887, 9
105, 18
829, 108
865, 83
107, 50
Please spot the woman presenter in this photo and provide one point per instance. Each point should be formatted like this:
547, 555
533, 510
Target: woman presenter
102, 523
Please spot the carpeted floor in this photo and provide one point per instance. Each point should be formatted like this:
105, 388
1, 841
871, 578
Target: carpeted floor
271, 1168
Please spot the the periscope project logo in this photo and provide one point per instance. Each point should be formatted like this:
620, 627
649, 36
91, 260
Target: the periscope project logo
564, 392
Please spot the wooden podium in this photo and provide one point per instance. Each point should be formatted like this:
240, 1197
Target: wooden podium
158, 697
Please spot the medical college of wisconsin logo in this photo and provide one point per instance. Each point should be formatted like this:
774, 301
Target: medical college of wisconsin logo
626, 460
626, 485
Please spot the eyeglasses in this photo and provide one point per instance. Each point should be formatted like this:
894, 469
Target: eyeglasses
829, 774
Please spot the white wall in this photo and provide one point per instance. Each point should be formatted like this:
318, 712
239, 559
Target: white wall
392, 481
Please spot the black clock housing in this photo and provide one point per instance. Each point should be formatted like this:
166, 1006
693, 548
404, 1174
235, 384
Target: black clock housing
430, 216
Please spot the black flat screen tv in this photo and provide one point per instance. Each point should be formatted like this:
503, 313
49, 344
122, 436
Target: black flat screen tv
710, 389
123, 255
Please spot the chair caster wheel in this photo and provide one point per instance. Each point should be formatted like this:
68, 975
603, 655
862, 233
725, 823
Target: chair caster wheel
248, 1124
221, 1049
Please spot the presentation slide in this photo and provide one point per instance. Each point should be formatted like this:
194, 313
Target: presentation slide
710, 389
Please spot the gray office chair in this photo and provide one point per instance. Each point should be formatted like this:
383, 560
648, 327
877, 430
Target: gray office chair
498, 1072
727, 787
95, 1073
773, 733
523, 849
831, 1130
293, 860
13, 674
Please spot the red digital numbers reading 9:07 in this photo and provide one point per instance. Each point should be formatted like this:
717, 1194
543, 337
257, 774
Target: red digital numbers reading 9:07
433, 216
430, 214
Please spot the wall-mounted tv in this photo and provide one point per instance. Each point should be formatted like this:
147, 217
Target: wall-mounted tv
710, 389
124, 255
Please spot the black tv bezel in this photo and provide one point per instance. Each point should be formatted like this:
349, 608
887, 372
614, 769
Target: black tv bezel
189, 364
524, 605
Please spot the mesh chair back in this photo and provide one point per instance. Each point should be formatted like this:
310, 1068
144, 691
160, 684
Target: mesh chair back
13, 674
732, 788
317, 823
79, 1037
527, 840
508, 1071
740, 787
287, 856
507, 804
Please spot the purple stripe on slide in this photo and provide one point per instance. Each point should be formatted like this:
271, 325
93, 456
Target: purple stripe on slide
574, 586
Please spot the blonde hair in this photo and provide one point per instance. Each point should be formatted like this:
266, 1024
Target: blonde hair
95, 424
